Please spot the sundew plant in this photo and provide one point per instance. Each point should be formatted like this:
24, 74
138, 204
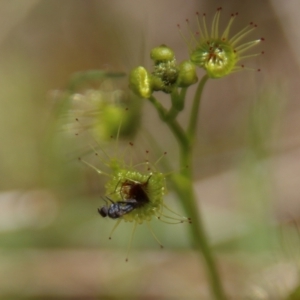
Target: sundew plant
136, 195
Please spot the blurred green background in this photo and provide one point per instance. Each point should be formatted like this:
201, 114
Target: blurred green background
53, 243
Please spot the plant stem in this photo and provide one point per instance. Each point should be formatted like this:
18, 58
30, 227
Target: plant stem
191, 131
183, 185
173, 124
186, 192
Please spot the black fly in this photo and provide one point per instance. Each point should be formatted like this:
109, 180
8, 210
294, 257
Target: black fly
134, 195
118, 209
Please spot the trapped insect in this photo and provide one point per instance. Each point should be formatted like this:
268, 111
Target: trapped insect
134, 195
118, 209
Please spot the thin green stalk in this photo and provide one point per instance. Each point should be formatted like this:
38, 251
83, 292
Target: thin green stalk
191, 131
183, 186
173, 124
177, 103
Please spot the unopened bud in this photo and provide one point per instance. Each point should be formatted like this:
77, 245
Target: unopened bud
187, 74
140, 82
162, 54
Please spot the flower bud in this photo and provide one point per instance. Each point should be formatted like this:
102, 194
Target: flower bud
140, 82
162, 54
157, 83
164, 76
187, 74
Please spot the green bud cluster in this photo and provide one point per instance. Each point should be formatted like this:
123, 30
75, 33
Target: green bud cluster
166, 76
